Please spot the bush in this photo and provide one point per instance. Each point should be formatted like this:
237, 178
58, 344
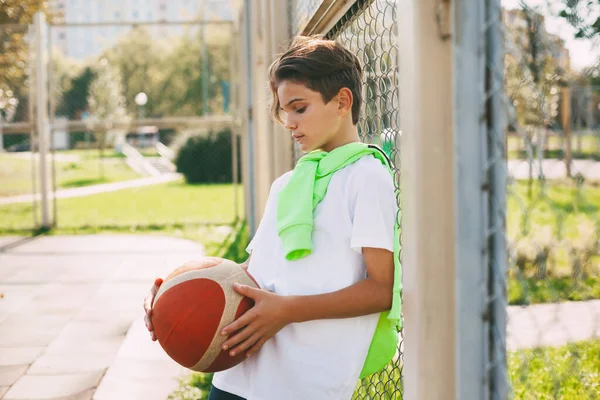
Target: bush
206, 159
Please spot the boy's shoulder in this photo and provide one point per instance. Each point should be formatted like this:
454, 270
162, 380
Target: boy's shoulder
368, 170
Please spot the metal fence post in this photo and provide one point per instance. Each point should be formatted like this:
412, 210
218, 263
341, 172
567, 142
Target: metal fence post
471, 198
42, 112
496, 175
428, 231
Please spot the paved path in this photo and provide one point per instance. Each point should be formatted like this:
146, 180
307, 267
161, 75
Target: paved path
552, 324
554, 169
94, 189
71, 317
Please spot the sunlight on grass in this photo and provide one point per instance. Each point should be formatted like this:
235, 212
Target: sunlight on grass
163, 204
567, 372
75, 168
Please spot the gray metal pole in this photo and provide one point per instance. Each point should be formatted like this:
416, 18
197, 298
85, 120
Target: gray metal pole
498, 264
470, 156
32, 133
204, 62
249, 98
51, 124
42, 113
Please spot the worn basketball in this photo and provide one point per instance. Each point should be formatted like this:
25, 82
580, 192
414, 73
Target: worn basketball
192, 306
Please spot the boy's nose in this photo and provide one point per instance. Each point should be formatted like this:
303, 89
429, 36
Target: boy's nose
290, 125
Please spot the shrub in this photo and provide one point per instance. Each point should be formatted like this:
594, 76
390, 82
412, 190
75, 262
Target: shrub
206, 159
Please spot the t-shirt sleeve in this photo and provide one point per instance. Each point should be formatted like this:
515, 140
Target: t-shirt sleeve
373, 210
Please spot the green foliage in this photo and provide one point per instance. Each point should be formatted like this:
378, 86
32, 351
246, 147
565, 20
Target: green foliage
169, 71
533, 76
75, 100
533, 290
14, 54
206, 159
567, 372
105, 99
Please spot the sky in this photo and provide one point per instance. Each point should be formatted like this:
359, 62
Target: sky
583, 52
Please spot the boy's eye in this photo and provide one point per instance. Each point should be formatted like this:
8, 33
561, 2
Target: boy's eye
301, 110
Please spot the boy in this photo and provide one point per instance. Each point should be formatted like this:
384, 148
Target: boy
324, 251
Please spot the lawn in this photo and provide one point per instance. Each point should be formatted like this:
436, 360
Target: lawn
556, 228
546, 373
74, 168
155, 207
567, 372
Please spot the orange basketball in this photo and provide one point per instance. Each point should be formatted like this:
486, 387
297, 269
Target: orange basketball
192, 306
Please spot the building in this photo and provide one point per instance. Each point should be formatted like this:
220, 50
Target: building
81, 42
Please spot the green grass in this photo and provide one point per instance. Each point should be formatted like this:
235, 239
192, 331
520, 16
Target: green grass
88, 169
564, 219
547, 373
552, 290
567, 372
162, 205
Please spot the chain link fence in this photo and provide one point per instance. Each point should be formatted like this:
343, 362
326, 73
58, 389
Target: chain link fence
369, 30
19, 160
542, 169
552, 219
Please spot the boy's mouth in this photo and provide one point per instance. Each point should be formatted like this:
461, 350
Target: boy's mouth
297, 137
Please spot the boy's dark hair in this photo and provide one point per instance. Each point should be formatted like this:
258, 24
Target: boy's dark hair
323, 66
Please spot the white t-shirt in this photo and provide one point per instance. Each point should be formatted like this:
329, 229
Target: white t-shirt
319, 359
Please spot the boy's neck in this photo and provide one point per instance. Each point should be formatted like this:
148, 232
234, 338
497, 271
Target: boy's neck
344, 137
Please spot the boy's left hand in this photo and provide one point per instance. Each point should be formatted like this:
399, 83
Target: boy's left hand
259, 324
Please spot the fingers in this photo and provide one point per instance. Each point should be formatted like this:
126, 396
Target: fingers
157, 283
239, 337
247, 291
245, 344
238, 323
148, 307
150, 327
256, 346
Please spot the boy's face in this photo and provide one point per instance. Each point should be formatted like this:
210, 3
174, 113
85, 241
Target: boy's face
313, 123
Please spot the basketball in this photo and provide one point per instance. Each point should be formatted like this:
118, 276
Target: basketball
192, 306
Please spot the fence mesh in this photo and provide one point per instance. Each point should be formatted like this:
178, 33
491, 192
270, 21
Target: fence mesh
369, 30
552, 220
19, 161
123, 99
301, 12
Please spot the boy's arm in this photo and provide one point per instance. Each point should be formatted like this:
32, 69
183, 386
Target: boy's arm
272, 312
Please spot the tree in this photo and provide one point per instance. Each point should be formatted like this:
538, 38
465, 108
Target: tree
14, 54
169, 71
583, 15
75, 98
532, 76
106, 100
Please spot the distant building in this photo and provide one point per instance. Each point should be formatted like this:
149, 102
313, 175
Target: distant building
83, 42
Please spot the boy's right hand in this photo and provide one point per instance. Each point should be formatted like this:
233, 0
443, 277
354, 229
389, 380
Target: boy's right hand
148, 307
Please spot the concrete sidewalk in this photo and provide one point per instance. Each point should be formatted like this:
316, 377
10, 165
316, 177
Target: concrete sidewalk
71, 317
94, 189
554, 169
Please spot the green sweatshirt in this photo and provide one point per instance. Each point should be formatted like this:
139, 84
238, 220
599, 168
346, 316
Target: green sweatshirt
295, 205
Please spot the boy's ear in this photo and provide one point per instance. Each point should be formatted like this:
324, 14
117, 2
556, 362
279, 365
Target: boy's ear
344, 99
